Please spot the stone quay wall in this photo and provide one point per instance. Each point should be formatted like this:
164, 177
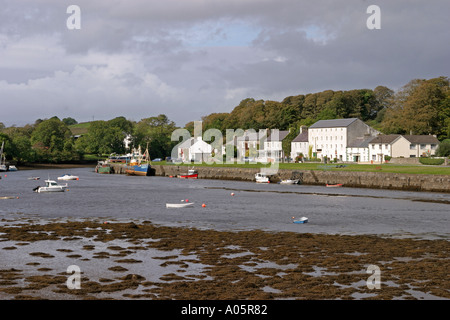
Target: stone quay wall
374, 180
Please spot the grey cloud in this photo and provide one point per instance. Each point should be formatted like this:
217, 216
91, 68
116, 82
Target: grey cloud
147, 54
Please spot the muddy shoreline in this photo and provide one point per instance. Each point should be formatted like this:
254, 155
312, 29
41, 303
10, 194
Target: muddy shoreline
139, 260
34, 166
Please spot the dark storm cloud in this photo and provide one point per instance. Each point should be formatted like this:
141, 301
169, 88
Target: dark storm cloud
191, 58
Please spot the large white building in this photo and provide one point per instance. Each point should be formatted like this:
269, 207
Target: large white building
330, 138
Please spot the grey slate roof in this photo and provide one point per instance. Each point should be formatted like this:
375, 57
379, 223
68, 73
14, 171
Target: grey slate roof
281, 136
385, 138
302, 137
424, 139
361, 142
335, 123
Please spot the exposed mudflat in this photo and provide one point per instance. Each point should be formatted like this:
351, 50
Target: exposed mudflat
140, 260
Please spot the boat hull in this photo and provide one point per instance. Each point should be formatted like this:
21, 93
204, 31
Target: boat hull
301, 220
334, 185
68, 178
138, 170
289, 182
179, 205
188, 176
45, 189
103, 169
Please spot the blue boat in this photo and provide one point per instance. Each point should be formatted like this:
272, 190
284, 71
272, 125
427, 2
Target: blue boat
139, 164
138, 169
301, 220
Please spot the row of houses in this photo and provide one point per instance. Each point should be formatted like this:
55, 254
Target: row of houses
351, 140
347, 140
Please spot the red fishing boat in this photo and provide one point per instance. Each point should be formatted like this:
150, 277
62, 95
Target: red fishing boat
192, 174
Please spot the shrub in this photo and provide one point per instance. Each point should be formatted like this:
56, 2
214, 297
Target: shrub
431, 161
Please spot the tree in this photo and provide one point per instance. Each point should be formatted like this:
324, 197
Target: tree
444, 149
69, 121
50, 139
156, 132
421, 107
102, 138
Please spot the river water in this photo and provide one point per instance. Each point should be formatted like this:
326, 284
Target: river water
347, 211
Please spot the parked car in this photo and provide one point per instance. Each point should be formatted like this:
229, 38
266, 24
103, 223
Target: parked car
157, 160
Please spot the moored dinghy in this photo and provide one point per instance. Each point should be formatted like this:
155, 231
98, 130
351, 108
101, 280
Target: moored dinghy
334, 185
300, 220
179, 205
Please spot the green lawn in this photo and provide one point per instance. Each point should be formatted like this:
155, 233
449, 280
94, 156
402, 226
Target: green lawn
394, 168
80, 128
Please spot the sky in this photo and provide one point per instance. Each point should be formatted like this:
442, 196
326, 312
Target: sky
190, 58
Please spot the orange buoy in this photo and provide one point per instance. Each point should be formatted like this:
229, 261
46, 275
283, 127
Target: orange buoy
187, 200
204, 205
232, 194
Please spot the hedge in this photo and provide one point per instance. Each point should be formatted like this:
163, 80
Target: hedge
431, 161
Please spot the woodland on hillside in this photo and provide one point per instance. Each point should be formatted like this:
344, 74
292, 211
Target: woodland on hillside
420, 107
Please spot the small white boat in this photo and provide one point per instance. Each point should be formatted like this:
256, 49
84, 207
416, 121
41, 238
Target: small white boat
33, 178
51, 186
289, 181
68, 177
12, 168
261, 178
179, 205
301, 220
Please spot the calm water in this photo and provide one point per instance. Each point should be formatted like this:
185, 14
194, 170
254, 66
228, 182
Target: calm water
254, 206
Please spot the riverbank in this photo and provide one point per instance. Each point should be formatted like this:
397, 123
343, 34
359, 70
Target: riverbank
139, 260
357, 179
32, 166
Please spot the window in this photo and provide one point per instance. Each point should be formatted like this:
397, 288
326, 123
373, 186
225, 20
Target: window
433, 146
412, 146
423, 146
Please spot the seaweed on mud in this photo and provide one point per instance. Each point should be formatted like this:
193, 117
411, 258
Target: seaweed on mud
237, 265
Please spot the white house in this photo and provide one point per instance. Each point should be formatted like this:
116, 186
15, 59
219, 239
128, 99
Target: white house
250, 144
273, 146
406, 146
358, 149
195, 149
300, 143
330, 138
